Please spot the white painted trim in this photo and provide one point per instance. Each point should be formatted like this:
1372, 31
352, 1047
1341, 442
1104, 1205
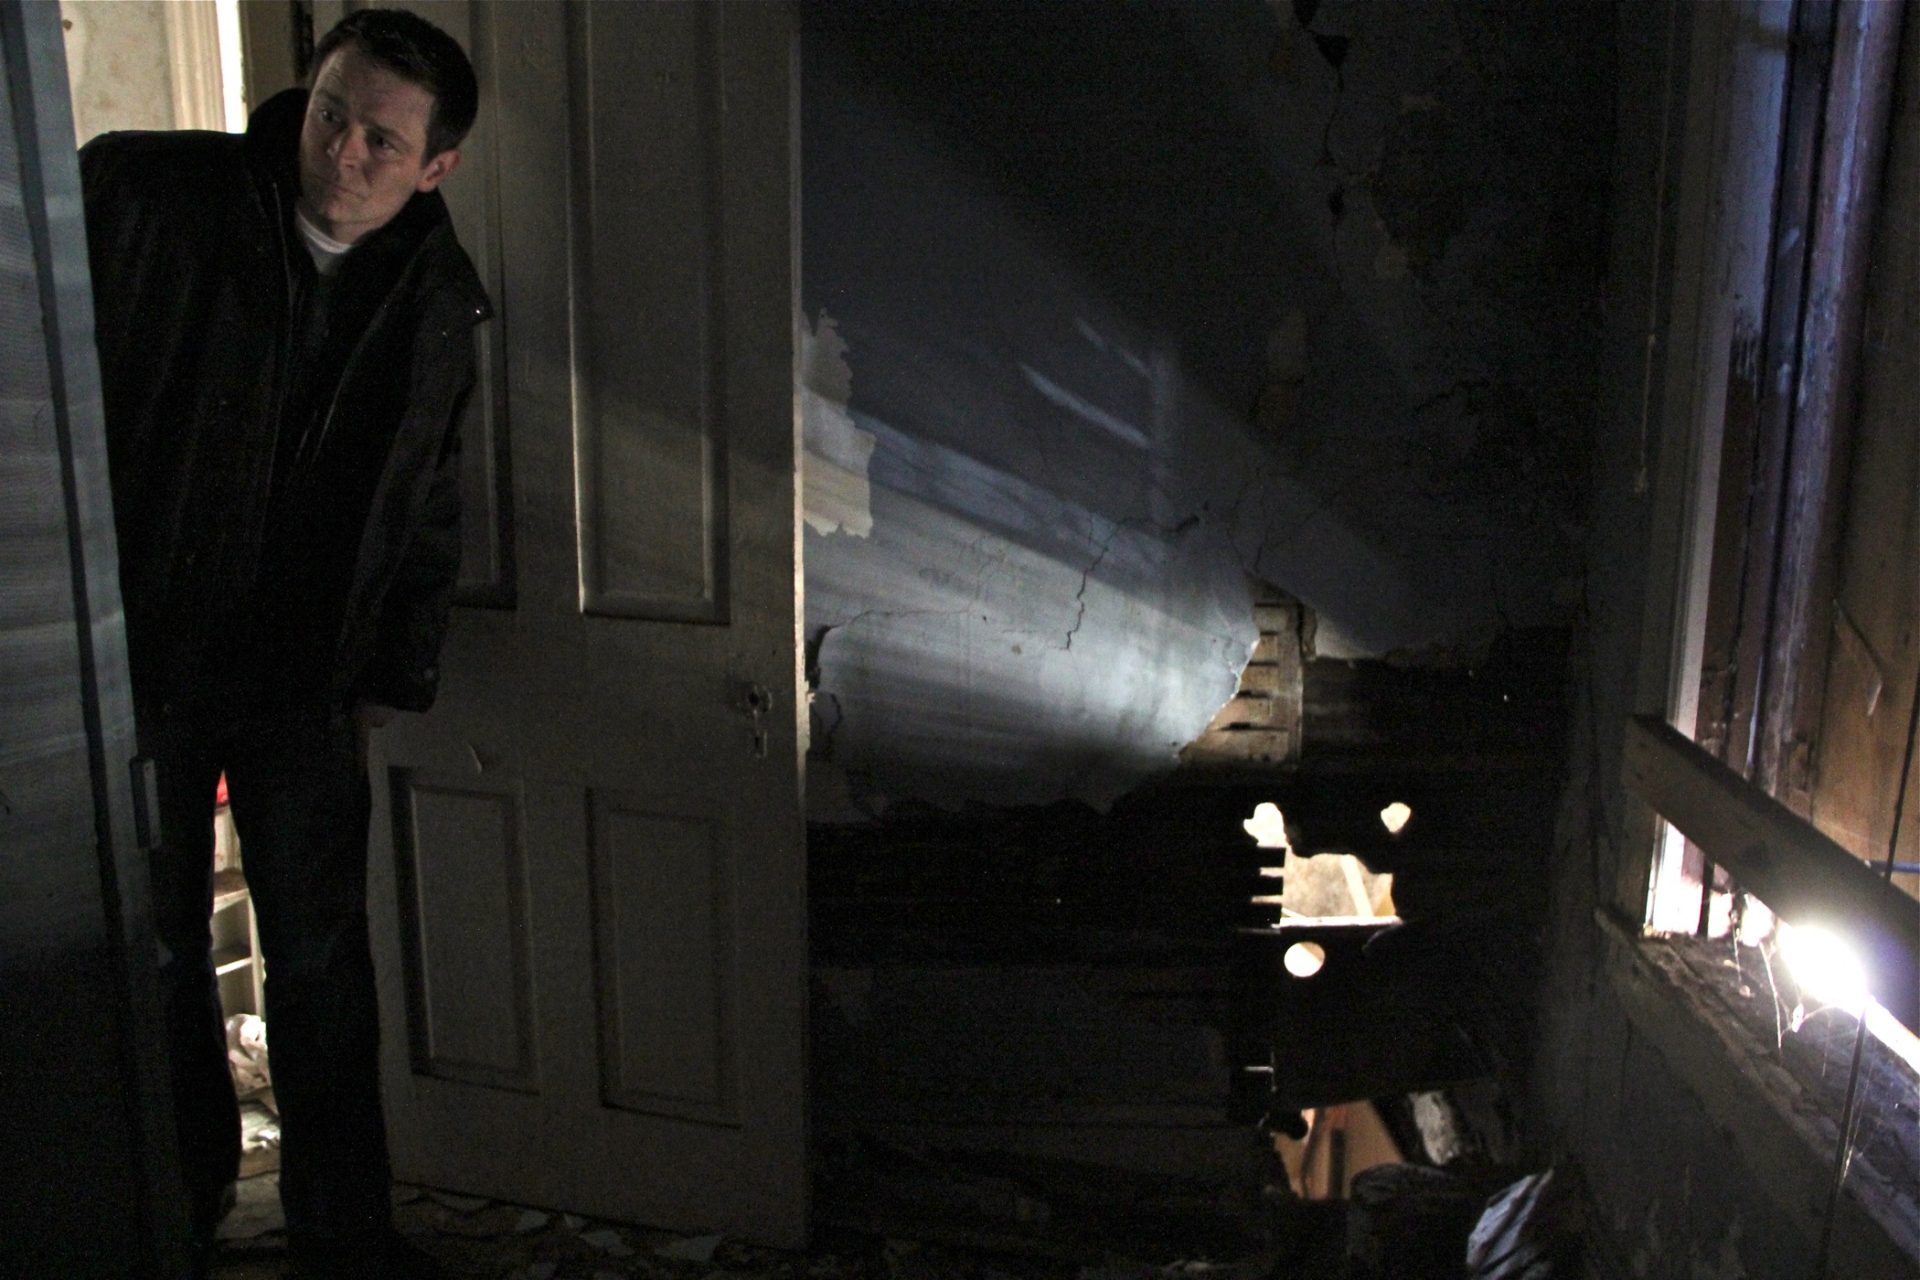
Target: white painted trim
1735, 94
193, 64
233, 81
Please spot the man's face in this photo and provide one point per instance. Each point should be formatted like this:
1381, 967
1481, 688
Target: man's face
363, 148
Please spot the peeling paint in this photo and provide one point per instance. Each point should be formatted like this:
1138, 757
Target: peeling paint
836, 453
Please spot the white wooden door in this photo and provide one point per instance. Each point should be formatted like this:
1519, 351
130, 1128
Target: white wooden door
589, 887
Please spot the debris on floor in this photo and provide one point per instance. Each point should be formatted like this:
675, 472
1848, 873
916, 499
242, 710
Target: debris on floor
896, 1212
247, 1055
255, 1218
477, 1237
1050, 1237
259, 1136
1530, 1231
1412, 1220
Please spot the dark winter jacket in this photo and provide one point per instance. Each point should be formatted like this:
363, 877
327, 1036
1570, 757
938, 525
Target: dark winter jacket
321, 552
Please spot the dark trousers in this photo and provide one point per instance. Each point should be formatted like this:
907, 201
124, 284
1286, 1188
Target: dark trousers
298, 788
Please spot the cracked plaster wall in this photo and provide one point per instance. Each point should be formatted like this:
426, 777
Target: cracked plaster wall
1126, 303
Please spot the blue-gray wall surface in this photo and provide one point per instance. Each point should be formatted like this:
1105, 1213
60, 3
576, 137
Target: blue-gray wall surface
1112, 308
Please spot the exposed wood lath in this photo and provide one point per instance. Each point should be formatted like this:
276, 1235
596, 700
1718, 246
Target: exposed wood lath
1261, 722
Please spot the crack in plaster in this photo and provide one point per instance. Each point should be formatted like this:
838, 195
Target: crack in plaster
1086, 575
990, 563
1106, 546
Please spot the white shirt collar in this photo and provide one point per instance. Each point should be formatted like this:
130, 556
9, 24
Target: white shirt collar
324, 249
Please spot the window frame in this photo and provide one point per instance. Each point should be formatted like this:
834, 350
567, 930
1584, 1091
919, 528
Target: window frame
1749, 502
1714, 292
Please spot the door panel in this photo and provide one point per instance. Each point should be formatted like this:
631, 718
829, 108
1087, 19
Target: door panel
459, 857
647, 311
588, 890
486, 461
663, 913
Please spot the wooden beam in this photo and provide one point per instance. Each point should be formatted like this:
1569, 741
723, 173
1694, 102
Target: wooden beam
1779, 857
1742, 1090
1823, 408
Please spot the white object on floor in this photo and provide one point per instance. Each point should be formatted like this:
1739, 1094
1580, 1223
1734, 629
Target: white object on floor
247, 1054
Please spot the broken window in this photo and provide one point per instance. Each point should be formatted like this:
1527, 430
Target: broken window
1785, 757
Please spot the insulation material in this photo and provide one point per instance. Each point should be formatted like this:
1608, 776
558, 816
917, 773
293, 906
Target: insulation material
1334, 886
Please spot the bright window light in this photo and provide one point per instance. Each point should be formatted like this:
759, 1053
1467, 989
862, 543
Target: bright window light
1825, 966
1830, 973
1757, 922
1893, 1033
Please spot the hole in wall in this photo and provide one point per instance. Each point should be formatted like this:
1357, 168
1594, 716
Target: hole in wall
1304, 959
1267, 826
1395, 817
1327, 887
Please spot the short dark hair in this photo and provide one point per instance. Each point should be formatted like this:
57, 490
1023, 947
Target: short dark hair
414, 49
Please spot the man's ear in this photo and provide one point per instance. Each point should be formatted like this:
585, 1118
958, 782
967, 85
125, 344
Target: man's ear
437, 169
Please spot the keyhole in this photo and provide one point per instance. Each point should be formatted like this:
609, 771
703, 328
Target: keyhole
756, 701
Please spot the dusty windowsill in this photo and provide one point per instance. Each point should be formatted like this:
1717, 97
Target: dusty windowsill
1785, 1135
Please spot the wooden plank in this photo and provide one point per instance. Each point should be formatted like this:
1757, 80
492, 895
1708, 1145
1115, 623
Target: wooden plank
1263, 678
229, 887
1277, 619
1247, 711
1875, 662
1744, 1091
1261, 723
1706, 264
1792, 867
1840, 235
1757, 448
1268, 745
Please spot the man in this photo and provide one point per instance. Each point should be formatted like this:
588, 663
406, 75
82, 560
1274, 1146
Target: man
284, 326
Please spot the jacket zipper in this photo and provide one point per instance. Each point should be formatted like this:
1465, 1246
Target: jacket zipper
360, 344
284, 355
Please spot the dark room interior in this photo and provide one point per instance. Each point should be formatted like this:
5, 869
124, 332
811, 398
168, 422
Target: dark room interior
1100, 639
